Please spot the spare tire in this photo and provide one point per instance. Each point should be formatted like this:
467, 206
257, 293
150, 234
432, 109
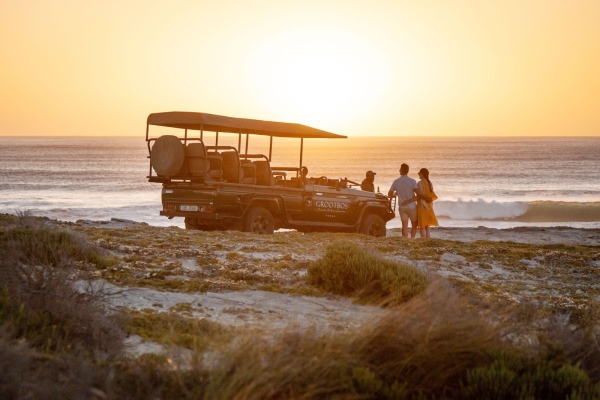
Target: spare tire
167, 155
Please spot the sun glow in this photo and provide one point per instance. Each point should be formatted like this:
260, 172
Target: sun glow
317, 76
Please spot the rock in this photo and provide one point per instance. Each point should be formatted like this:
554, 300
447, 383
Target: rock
90, 222
126, 221
449, 257
531, 263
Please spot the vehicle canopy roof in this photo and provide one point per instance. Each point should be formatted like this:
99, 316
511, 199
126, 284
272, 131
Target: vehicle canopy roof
219, 123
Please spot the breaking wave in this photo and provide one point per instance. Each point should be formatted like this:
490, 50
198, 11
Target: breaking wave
536, 211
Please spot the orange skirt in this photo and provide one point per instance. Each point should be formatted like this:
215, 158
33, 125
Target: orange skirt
426, 216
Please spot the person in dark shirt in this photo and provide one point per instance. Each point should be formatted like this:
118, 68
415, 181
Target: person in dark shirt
304, 176
368, 183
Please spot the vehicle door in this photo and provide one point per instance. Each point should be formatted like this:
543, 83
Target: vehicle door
326, 204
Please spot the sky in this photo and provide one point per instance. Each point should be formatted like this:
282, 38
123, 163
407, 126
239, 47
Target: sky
353, 67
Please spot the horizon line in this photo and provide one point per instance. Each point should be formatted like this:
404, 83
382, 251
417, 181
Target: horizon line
351, 136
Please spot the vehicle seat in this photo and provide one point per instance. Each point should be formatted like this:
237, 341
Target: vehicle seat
232, 171
249, 172
215, 172
197, 163
296, 183
263, 173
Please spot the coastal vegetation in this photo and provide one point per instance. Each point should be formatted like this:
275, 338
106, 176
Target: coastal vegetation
465, 329
347, 270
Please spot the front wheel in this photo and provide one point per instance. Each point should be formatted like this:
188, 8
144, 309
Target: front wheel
373, 225
259, 220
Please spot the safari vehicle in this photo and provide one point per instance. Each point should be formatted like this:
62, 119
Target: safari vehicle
216, 187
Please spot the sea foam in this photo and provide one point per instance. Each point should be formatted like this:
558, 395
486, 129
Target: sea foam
536, 211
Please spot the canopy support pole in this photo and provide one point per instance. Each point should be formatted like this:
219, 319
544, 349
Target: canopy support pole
217, 139
246, 143
240, 142
270, 148
301, 150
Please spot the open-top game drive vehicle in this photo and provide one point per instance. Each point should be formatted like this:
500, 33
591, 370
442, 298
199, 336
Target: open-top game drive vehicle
216, 187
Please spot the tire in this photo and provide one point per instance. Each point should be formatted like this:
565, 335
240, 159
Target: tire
192, 223
373, 225
189, 223
167, 155
259, 220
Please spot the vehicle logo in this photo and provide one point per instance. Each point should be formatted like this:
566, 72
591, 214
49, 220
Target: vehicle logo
323, 205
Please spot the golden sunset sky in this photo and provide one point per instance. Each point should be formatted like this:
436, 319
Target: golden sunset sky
457, 67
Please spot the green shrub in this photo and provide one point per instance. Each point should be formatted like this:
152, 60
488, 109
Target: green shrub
25, 374
51, 247
39, 301
347, 270
173, 329
36, 326
366, 382
521, 377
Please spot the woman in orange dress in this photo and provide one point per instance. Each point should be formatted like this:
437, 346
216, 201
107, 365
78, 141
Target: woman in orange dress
425, 209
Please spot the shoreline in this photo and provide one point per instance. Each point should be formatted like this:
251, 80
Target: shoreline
527, 235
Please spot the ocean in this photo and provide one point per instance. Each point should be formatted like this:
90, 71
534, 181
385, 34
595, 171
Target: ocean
498, 182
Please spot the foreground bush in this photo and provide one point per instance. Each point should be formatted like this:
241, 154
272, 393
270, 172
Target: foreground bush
347, 270
38, 298
34, 246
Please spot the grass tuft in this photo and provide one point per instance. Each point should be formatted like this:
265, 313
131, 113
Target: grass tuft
173, 329
347, 270
51, 247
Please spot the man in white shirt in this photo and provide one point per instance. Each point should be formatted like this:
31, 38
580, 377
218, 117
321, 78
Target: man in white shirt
406, 188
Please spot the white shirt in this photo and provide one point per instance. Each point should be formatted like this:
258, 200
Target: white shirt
404, 187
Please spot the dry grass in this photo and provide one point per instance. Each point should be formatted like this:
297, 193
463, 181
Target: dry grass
434, 346
430, 342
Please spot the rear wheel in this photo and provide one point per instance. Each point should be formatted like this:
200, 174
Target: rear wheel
373, 225
259, 220
192, 223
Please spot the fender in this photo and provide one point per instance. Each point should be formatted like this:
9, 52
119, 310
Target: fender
376, 208
274, 203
